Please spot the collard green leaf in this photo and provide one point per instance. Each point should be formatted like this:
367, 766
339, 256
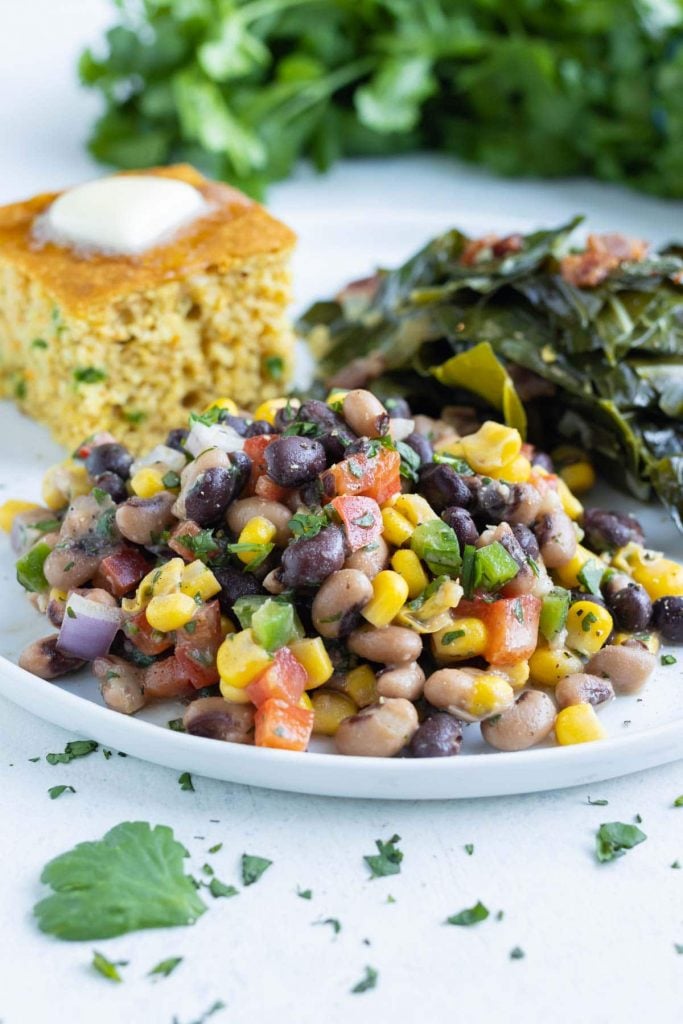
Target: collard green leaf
132, 878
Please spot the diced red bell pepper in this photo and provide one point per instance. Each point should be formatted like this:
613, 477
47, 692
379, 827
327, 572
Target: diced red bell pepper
511, 625
148, 640
196, 647
166, 679
375, 476
283, 726
267, 488
120, 572
284, 679
361, 519
187, 528
254, 447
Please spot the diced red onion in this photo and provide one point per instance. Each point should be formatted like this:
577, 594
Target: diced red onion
170, 457
400, 428
88, 628
217, 435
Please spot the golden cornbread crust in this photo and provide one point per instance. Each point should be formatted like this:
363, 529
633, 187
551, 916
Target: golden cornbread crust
129, 344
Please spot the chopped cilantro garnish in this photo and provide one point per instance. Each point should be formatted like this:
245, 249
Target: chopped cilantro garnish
517, 953
334, 923
365, 520
678, 802
73, 749
587, 621
274, 367
38, 343
469, 849
166, 967
89, 375
253, 867
203, 544
56, 791
355, 468
590, 575
518, 610
185, 782
367, 982
259, 551
305, 894
469, 916
134, 416
410, 462
307, 524
107, 968
452, 635
215, 848
667, 659
598, 803
614, 838
219, 889
388, 860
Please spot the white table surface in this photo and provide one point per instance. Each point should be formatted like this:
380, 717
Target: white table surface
599, 939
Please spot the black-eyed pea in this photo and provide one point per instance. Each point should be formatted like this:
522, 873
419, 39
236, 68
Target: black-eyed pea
528, 721
390, 645
583, 688
241, 511
380, 730
365, 414
370, 560
627, 667
338, 603
470, 694
401, 681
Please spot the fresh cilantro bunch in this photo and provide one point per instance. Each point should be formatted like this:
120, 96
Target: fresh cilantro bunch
244, 88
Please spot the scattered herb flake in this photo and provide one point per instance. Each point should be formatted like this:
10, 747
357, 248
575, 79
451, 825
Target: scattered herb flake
307, 524
107, 968
678, 946
73, 749
165, 967
253, 867
598, 803
678, 802
56, 791
89, 375
676, 865
214, 1008
452, 635
469, 916
176, 725
469, 849
274, 366
216, 848
387, 861
367, 982
390, 899
614, 838
587, 621
185, 782
334, 922
668, 659
33, 760
304, 894
219, 889
517, 953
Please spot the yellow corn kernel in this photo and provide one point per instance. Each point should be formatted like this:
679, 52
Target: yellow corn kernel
235, 694
268, 410
258, 530
163, 580
223, 403
548, 666
567, 575
396, 528
628, 556
516, 472
147, 482
12, 508
305, 702
450, 447
198, 581
389, 594
650, 640
57, 595
408, 565
578, 476
240, 659
461, 639
661, 577
588, 627
336, 395
311, 653
360, 684
517, 674
490, 695
578, 724
170, 611
491, 447
415, 508
330, 709
227, 626
64, 482
570, 504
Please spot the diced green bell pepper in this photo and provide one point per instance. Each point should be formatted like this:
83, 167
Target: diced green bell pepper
436, 544
590, 575
554, 612
493, 566
30, 568
273, 619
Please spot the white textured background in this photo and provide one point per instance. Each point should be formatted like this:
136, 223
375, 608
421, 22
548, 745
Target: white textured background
599, 940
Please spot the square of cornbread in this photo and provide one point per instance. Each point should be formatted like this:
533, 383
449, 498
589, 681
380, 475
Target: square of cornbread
128, 344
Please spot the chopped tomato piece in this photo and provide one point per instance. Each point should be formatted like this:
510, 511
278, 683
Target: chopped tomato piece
283, 726
197, 644
511, 624
165, 679
254, 447
146, 639
120, 572
267, 488
375, 476
361, 518
284, 679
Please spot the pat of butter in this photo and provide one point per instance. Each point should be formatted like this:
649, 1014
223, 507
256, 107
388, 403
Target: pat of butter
122, 214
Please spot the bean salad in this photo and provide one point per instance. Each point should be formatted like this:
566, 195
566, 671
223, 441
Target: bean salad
348, 569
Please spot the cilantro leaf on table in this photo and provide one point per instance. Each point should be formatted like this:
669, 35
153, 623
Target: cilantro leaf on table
165, 967
469, 916
56, 791
614, 838
367, 982
131, 879
304, 894
73, 749
253, 867
185, 782
388, 860
108, 968
218, 889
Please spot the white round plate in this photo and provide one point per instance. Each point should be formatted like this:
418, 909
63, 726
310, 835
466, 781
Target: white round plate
644, 731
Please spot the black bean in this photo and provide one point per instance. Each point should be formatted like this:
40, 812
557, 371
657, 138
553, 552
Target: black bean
235, 584
113, 485
258, 427
325, 419
311, 493
609, 530
543, 460
242, 465
667, 617
462, 524
113, 457
631, 607
488, 498
308, 561
443, 487
208, 498
176, 439
238, 423
293, 461
526, 539
285, 417
335, 449
577, 594
421, 445
398, 408
440, 735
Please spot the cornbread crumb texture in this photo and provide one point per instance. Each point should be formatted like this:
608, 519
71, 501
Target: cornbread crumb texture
200, 317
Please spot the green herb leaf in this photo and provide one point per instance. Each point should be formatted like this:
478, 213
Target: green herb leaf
131, 879
367, 982
176, 725
107, 968
274, 367
185, 782
220, 889
667, 659
89, 375
614, 838
334, 923
387, 861
452, 635
590, 575
305, 894
216, 848
469, 916
166, 967
469, 849
56, 791
202, 546
307, 524
598, 803
253, 867
517, 953
678, 802
73, 749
